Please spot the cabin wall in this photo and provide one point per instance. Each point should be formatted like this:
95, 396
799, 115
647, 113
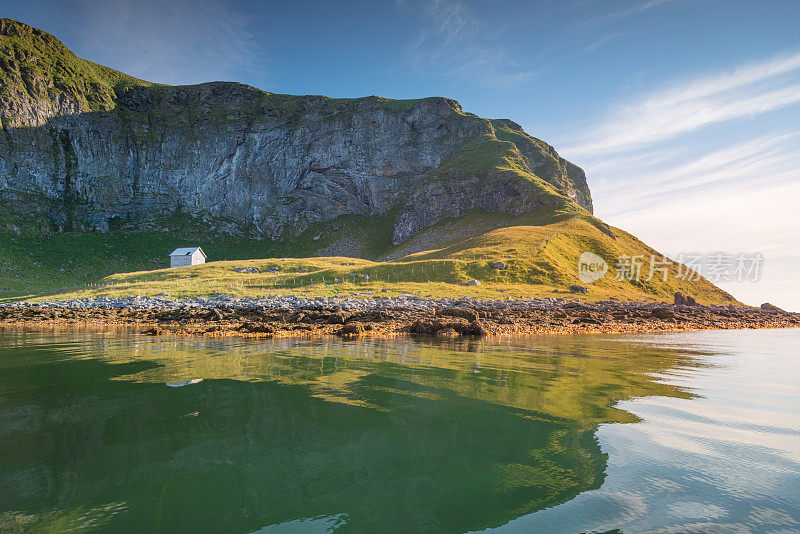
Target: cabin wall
180, 261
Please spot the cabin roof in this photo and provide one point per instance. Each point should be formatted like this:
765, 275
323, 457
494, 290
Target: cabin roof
187, 251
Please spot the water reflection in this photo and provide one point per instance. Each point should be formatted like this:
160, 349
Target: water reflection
315, 435
727, 460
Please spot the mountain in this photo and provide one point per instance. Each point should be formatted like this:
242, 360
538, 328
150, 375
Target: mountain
86, 150
89, 147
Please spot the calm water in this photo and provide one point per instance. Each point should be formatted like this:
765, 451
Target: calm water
696, 432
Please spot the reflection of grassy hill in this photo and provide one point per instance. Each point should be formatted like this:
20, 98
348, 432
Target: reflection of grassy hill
539, 251
388, 436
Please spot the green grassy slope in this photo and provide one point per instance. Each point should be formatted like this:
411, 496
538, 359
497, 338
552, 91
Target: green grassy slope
496, 159
35, 65
540, 252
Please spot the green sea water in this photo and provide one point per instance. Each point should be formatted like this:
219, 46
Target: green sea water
118, 432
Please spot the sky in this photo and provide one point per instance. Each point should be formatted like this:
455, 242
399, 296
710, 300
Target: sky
685, 114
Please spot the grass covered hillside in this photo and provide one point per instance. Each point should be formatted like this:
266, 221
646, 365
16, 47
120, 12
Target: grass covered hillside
102, 175
539, 253
36, 69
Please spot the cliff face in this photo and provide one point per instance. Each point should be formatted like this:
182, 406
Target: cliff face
88, 147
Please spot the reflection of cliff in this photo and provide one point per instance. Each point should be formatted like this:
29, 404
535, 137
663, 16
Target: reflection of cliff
429, 444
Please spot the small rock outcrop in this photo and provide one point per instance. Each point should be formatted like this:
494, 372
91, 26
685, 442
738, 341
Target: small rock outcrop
663, 313
771, 308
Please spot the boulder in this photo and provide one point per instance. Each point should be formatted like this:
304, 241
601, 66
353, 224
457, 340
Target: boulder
680, 299
214, 315
586, 320
447, 332
578, 289
475, 328
771, 308
353, 329
154, 331
465, 313
499, 265
474, 283
256, 328
663, 313
337, 318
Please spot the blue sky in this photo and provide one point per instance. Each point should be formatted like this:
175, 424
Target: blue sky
684, 114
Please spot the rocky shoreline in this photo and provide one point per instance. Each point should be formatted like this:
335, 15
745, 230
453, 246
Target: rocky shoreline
367, 315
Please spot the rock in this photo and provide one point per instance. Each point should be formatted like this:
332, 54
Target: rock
663, 313
448, 332
497, 265
771, 308
428, 327
473, 283
475, 328
680, 299
578, 289
353, 329
257, 328
690, 301
288, 161
154, 331
337, 318
467, 314
296, 317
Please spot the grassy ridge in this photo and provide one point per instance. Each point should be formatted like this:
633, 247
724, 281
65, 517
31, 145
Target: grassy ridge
35, 64
540, 260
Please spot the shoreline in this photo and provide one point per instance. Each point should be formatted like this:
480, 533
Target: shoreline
386, 317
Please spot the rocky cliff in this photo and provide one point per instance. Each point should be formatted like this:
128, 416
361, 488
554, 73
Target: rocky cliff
87, 148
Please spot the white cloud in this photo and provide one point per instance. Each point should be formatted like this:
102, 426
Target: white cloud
454, 42
748, 91
634, 10
761, 161
654, 172
757, 219
740, 198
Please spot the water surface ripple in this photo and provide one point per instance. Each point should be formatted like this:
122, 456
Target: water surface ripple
685, 432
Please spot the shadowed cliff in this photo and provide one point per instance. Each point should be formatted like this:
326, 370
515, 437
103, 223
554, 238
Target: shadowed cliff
87, 146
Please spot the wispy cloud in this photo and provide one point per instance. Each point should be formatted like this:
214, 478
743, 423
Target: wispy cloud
633, 10
453, 41
642, 182
747, 91
657, 168
740, 197
176, 42
600, 41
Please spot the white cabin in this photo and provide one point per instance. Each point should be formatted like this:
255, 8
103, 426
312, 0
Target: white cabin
181, 257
